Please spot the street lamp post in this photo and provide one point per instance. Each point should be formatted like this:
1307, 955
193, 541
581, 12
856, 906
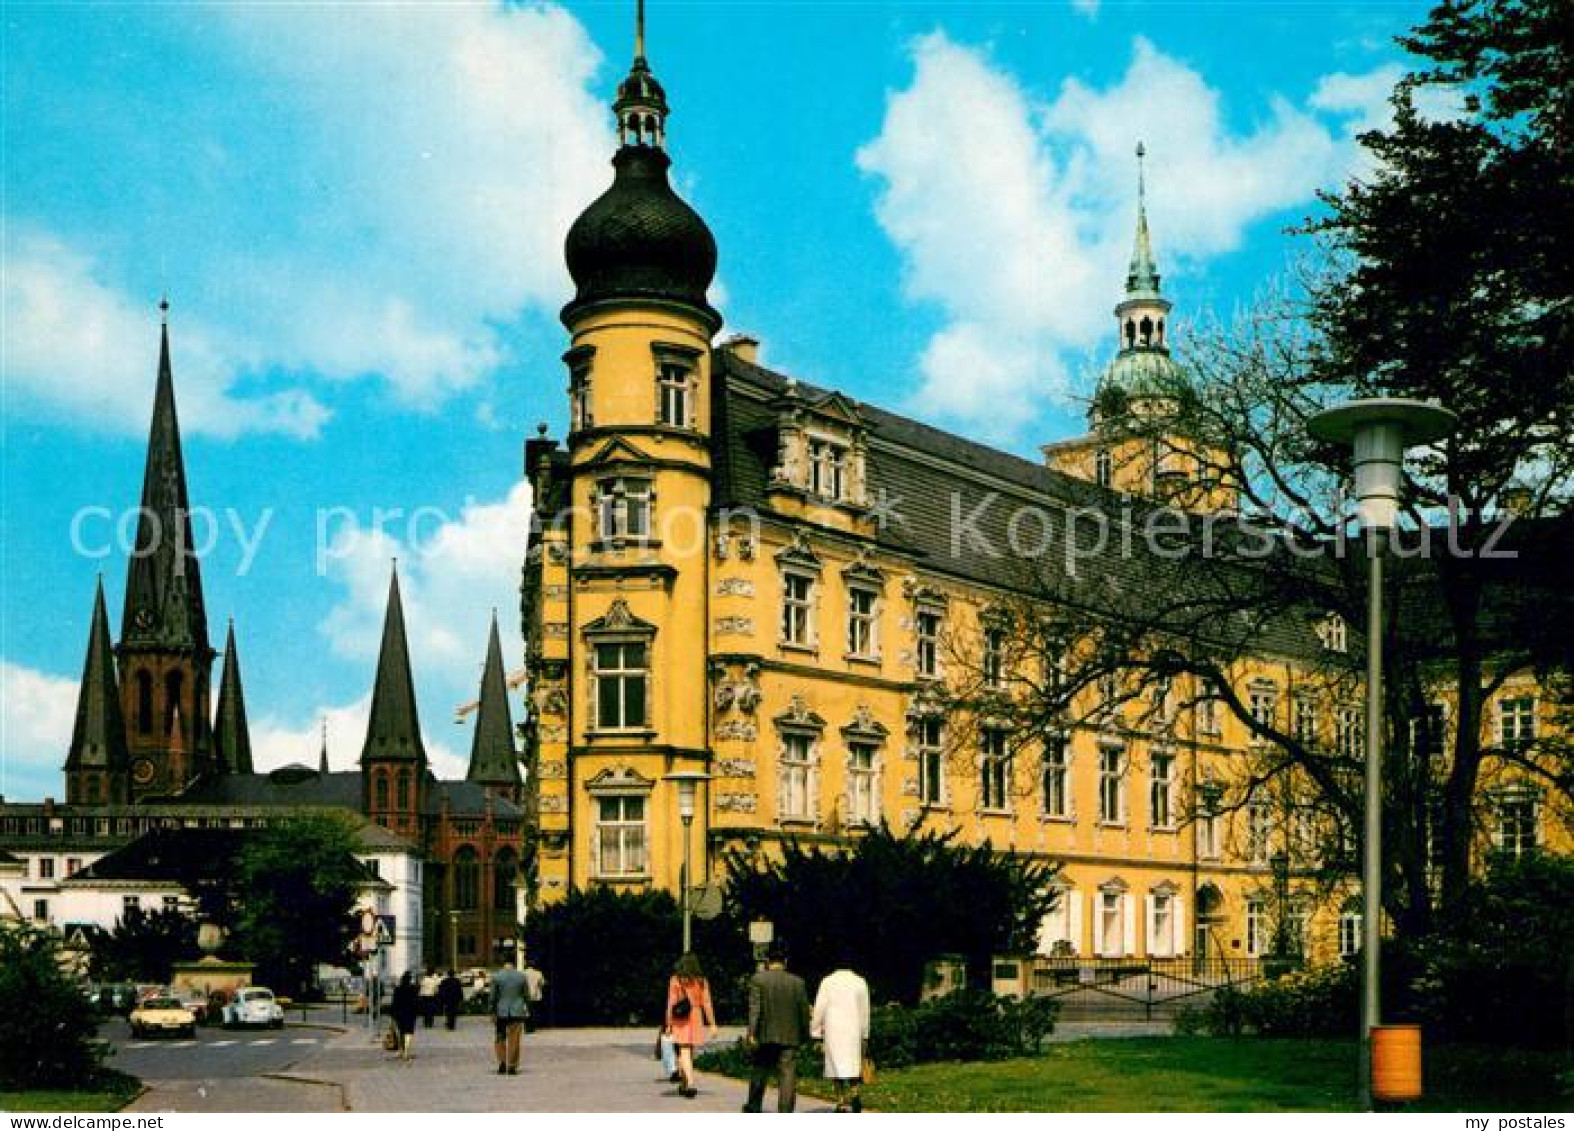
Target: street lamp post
687, 782
1379, 430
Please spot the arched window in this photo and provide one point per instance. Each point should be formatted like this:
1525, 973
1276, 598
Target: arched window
404, 789
467, 879
505, 869
173, 682
1131, 334
382, 792
1146, 331
1103, 467
1161, 331
145, 702
92, 791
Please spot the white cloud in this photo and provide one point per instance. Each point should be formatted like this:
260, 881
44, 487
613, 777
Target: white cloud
37, 711
450, 146
275, 742
452, 572
1089, 8
1015, 215
76, 346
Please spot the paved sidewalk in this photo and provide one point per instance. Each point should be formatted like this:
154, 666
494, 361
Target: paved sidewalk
566, 1070
252, 1093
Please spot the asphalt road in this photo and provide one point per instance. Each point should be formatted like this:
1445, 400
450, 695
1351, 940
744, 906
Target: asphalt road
215, 1054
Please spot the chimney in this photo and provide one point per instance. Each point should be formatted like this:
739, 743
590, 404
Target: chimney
744, 348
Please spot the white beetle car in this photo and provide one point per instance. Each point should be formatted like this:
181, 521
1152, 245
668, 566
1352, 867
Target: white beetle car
253, 1005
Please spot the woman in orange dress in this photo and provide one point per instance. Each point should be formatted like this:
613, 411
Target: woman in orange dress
690, 1017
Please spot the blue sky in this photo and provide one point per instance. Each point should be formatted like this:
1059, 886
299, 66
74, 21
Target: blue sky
357, 213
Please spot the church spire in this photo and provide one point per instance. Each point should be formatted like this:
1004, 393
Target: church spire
393, 730
231, 735
164, 606
98, 738
322, 756
1142, 278
493, 758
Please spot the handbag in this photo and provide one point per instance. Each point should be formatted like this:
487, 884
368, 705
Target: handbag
682, 1007
866, 1072
391, 1038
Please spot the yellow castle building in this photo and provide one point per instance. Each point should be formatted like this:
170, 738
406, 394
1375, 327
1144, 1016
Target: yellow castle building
739, 574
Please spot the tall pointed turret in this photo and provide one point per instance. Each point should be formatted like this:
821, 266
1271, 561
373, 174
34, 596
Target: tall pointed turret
494, 761
393, 731
231, 735
322, 756
97, 761
1142, 376
166, 660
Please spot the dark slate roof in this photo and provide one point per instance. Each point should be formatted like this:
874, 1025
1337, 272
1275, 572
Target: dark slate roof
98, 737
931, 480
286, 786
393, 731
183, 856
231, 735
164, 606
493, 758
467, 799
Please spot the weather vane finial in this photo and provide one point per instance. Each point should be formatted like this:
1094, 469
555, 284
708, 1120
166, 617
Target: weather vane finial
1142, 151
639, 29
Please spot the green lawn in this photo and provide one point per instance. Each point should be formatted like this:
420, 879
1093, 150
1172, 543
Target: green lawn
1210, 1074
110, 1094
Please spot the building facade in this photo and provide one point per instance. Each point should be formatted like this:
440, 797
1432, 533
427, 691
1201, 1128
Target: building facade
740, 573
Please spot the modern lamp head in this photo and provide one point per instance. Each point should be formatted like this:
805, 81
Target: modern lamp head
686, 780
1380, 429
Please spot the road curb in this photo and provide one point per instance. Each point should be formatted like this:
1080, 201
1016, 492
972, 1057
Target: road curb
290, 1078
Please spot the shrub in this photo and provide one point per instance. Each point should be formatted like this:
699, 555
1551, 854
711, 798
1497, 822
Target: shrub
1320, 1001
47, 1027
607, 956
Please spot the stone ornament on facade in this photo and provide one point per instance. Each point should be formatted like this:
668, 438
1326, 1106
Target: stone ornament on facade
734, 587
734, 767
737, 730
552, 770
736, 803
734, 626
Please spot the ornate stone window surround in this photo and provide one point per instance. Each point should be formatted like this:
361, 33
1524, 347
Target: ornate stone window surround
807, 729
612, 785
870, 733
798, 629
619, 626
677, 369
580, 362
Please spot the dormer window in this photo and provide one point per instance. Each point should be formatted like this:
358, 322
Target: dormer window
1333, 633
623, 508
828, 470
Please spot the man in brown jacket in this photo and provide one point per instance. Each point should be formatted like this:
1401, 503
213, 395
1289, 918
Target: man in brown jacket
778, 1024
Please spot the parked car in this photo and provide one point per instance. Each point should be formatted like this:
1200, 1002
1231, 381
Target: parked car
253, 1005
162, 1015
196, 1001
113, 998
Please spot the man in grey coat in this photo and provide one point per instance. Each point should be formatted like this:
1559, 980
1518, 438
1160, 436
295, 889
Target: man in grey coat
778, 1024
509, 1010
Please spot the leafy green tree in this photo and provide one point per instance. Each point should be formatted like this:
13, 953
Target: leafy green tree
46, 1025
890, 903
296, 882
143, 946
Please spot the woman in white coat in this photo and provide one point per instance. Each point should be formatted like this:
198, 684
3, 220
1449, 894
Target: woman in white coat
841, 1021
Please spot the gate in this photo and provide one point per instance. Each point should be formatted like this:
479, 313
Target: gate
1133, 989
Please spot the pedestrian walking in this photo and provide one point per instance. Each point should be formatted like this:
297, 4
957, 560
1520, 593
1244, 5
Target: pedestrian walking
406, 1004
690, 1017
778, 1024
510, 1007
841, 1021
450, 996
429, 984
535, 984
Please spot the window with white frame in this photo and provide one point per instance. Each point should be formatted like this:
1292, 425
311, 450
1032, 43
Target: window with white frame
1208, 833
1259, 830
675, 394
798, 610
1166, 928
1256, 927
926, 627
994, 771
1103, 467
828, 470
797, 776
1262, 701
1305, 721
1208, 715
1112, 786
863, 795
580, 416
1055, 777
623, 508
1350, 930
863, 624
1060, 929
930, 735
1351, 737
621, 674
46, 867
1517, 824
1161, 790
1516, 721
1114, 924
620, 836
1333, 633
994, 657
